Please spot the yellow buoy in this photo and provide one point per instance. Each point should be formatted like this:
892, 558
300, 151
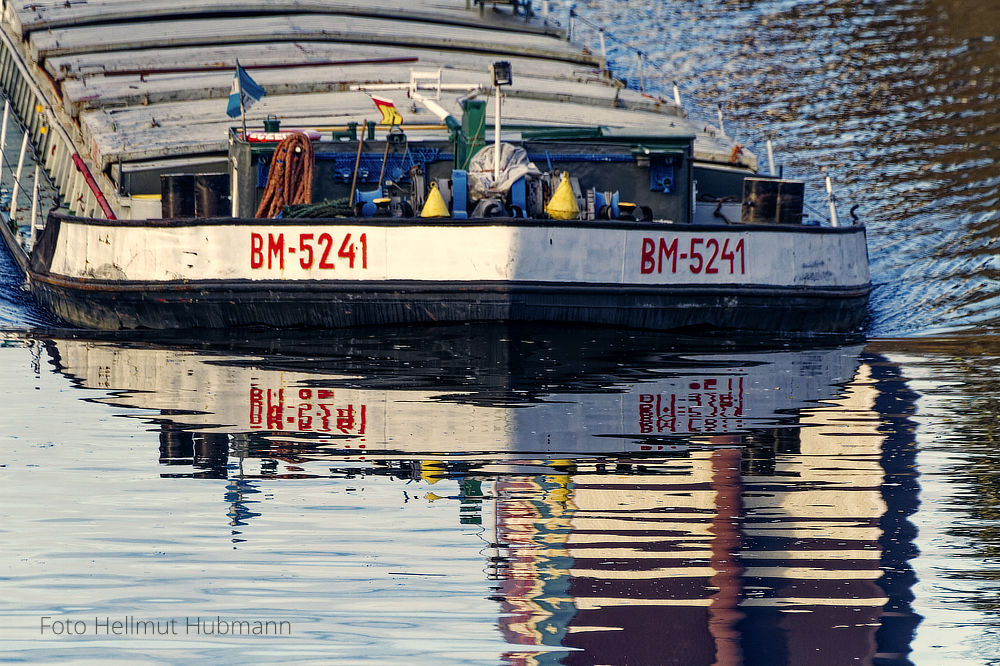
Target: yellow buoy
562, 205
435, 205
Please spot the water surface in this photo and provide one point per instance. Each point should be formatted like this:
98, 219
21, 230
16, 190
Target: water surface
535, 496
527, 495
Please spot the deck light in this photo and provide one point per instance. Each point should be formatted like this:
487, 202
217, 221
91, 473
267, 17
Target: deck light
501, 73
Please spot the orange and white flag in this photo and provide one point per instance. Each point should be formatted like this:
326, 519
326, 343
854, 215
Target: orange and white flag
390, 116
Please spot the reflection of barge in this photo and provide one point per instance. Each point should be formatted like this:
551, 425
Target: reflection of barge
706, 241
799, 556
390, 407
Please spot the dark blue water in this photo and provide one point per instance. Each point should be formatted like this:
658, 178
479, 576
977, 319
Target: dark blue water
489, 494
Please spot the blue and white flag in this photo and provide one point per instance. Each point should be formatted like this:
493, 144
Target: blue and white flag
245, 92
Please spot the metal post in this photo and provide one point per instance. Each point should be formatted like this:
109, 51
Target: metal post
17, 177
34, 206
770, 156
357, 163
545, 9
833, 207
496, 140
722, 128
572, 15
642, 80
604, 47
677, 95
239, 89
3, 136
234, 190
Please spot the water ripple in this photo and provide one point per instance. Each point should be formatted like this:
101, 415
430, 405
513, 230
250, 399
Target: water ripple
896, 101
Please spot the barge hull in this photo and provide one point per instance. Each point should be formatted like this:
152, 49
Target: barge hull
303, 304
625, 275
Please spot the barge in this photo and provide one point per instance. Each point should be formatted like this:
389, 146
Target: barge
512, 177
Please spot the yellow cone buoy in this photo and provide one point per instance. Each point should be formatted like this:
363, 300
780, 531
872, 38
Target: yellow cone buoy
562, 205
431, 471
435, 205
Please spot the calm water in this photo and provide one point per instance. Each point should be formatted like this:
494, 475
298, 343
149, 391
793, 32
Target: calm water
482, 494
486, 494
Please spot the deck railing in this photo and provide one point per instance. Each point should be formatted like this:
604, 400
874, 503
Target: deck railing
53, 147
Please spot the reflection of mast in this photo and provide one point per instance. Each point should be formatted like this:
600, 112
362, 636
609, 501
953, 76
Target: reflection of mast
237, 491
723, 611
901, 494
206, 452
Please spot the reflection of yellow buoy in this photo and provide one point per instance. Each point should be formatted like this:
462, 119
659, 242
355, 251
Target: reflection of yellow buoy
435, 205
562, 205
431, 471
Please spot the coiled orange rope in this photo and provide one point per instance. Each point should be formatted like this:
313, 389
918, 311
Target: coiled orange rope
290, 180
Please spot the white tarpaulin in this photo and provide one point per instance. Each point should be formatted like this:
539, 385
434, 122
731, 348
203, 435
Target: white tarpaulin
514, 163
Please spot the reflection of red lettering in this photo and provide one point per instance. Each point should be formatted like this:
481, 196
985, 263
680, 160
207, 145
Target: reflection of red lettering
732, 402
653, 415
256, 406
666, 419
305, 421
645, 413
705, 405
268, 410
325, 418
345, 419
275, 409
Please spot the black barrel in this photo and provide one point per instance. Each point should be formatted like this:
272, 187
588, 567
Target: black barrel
211, 195
791, 196
177, 195
772, 201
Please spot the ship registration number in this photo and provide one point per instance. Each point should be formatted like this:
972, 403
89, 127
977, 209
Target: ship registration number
324, 251
700, 254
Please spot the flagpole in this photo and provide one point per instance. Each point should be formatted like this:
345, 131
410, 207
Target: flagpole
239, 88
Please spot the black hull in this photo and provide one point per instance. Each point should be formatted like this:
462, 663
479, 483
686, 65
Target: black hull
117, 305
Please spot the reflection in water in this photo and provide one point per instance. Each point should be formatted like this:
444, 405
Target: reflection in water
641, 501
961, 444
802, 562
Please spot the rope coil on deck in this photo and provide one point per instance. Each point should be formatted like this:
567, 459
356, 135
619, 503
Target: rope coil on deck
291, 176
